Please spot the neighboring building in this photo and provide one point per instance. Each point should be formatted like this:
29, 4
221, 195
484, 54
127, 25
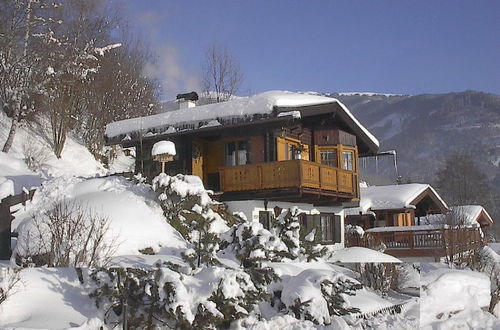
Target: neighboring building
463, 215
395, 205
271, 150
413, 223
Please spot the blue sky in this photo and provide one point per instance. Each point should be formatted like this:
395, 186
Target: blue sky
382, 46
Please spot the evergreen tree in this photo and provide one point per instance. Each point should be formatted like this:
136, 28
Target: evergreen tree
189, 211
287, 228
311, 247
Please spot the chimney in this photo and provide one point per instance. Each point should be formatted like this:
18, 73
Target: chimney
187, 100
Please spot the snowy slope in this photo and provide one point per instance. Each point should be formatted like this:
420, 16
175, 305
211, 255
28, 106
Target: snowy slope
136, 220
34, 140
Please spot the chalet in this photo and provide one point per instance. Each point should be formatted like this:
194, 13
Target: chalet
262, 153
414, 223
395, 205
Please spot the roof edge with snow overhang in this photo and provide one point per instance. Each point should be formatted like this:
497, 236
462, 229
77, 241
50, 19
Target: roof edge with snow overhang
395, 197
256, 108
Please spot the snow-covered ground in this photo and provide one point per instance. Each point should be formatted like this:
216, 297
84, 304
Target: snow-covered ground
48, 298
55, 298
455, 299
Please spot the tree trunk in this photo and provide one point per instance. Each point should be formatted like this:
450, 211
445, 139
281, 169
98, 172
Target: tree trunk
12, 133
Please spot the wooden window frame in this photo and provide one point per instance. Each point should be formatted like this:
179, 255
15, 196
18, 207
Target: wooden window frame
236, 154
333, 226
339, 149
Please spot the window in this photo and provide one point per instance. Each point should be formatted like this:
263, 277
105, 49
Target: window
347, 160
329, 158
327, 225
236, 153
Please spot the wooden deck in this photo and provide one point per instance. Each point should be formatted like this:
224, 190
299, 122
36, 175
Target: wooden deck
289, 174
436, 243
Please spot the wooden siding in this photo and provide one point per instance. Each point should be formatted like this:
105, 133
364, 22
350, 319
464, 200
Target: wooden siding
257, 149
213, 158
324, 137
286, 174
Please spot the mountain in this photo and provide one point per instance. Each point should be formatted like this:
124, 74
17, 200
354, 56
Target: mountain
425, 129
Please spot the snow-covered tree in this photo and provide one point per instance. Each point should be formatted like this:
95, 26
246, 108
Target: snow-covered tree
188, 208
251, 243
26, 24
287, 228
311, 247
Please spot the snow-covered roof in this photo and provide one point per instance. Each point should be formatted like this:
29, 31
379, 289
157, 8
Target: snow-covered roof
390, 197
468, 214
263, 104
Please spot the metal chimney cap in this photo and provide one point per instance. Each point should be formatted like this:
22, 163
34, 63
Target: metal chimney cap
193, 96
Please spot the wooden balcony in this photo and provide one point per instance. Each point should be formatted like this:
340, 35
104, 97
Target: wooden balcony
416, 242
299, 176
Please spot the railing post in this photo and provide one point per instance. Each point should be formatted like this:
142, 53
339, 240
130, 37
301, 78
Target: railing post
410, 239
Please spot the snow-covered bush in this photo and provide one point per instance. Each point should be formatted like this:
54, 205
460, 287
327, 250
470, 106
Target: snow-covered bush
135, 292
450, 294
236, 296
380, 277
66, 235
408, 276
317, 296
251, 243
188, 208
159, 298
34, 156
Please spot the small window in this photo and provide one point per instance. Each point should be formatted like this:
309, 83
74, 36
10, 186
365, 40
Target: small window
347, 160
236, 153
329, 158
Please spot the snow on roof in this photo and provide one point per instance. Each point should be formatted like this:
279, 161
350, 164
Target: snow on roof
262, 103
389, 197
163, 147
467, 213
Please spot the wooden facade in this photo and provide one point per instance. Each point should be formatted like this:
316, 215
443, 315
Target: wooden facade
285, 159
311, 158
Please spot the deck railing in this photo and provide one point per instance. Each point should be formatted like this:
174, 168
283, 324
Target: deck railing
288, 174
426, 242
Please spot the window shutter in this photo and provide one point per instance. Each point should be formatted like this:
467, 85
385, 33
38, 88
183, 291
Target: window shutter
338, 229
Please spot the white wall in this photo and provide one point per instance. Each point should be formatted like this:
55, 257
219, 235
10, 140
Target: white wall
251, 209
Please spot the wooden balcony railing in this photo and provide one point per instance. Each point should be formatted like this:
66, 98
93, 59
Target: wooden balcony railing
420, 242
288, 174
